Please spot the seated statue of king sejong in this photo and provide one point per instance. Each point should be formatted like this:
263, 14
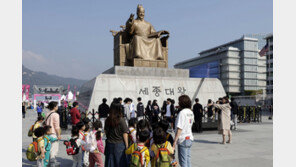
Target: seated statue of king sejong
145, 43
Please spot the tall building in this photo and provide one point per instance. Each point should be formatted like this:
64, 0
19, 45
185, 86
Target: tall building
269, 67
236, 63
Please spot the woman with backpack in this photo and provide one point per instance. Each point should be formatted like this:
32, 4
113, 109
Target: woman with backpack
117, 138
53, 120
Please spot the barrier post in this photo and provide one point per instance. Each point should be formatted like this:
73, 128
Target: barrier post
93, 115
244, 114
254, 114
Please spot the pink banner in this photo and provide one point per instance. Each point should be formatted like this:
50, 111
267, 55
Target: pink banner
23, 87
27, 91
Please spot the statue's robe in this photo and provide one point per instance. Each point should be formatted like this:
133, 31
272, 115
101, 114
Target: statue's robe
141, 46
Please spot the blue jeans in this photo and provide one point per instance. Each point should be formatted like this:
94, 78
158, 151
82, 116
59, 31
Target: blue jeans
184, 153
115, 155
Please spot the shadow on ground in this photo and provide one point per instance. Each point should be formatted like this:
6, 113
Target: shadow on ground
206, 141
63, 161
27, 163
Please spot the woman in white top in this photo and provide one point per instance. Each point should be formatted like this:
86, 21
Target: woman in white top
183, 131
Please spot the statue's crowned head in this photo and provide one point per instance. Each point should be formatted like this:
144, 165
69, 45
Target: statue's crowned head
140, 12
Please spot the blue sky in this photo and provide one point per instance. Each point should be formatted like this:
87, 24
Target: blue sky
71, 38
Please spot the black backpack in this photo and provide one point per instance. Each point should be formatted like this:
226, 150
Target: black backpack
72, 147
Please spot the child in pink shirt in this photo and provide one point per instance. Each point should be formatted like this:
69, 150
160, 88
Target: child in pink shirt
95, 157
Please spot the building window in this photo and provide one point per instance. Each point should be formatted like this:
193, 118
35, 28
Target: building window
250, 75
250, 82
250, 68
250, 61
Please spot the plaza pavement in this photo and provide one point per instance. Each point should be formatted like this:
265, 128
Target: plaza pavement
252, 146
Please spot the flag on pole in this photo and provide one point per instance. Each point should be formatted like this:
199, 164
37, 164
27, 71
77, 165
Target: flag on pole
263, 51
27, 91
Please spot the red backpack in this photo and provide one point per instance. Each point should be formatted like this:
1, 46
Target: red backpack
71, 147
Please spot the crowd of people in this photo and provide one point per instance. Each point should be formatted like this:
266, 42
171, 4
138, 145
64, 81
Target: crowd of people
135, 135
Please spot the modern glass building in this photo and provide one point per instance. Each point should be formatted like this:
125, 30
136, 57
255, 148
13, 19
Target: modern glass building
207, 70
237, 64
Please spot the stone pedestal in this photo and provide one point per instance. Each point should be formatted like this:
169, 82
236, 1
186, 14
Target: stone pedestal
148, 71
149, 84
150, 63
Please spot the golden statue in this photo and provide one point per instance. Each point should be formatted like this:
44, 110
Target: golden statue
141, 42
145, 43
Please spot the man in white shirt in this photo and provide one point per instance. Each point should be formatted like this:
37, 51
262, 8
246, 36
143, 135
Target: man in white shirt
132, 109
168, 110
127, 110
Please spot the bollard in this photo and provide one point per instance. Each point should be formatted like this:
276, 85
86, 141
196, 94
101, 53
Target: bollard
244, 114
260, 115
93, 115
254, 114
